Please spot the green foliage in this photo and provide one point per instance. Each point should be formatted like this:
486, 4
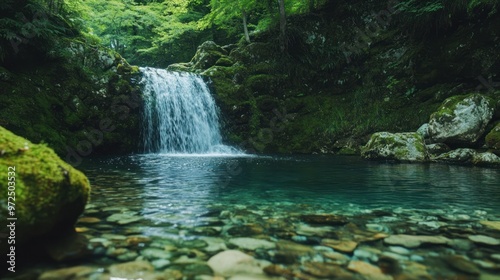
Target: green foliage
32, 26
155, 33
434, 17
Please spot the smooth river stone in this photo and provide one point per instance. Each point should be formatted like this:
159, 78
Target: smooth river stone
123, 219
414, 241
152, 253
134, 270
369, 272
491, 224
76, 272
214, 244
88, 220
308, 230
483, 239
346, 246
336, 258
399, 250
252, 243
232, 262
325, 270
460, 263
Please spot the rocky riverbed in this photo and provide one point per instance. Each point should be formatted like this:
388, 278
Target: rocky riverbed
279, 241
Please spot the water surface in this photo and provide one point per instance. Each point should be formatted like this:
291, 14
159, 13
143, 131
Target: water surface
189, 185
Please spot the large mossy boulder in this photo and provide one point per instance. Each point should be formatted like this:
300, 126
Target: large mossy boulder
49, 193
469, 156
395, 146
461, 119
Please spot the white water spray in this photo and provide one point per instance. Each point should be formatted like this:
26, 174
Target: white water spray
180, 115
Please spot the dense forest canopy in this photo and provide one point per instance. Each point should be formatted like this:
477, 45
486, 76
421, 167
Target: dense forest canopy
155, 32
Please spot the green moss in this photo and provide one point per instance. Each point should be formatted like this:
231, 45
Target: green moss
261, 83
49, 192
224, 61
493, 138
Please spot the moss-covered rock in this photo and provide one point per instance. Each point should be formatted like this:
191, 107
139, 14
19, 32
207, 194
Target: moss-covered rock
462, 155
486, 159
493, 138
80, 90
395, 146
49, 193
461, 119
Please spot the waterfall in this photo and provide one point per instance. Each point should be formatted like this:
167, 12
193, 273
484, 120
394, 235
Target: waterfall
180, 115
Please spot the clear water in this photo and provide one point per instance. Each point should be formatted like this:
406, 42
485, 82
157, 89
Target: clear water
180, 115
165, 187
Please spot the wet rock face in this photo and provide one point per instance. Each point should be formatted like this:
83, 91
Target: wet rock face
49, 193
461, 119
397, 146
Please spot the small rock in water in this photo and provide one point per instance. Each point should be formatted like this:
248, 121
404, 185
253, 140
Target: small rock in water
114, 237
160, 264
491, 224
322, 231
233, 262
251, 243
77, 272
134, 270
278, 270
123, 219
100, 241
88, 220
325, 270
461, 244
137, 239
368, 271
461, 264
115, 252
214, 244
496, 257
395, 256
416, 258
432, 224
195, 243
326, 219
399, 250
152, 253
376, 227
346, 246
128, 256
487, 265
336, 258
192, 271
483, 239
367, 253
413, 241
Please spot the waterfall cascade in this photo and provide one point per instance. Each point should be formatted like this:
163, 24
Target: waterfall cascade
180, 115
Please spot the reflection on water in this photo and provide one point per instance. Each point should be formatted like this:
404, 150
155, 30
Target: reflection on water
165, 186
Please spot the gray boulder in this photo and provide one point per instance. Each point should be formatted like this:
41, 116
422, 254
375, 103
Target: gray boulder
457, 156
396, 146
486, 159
461, 119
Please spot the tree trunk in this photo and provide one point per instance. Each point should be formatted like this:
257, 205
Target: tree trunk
283, 41
245, 26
